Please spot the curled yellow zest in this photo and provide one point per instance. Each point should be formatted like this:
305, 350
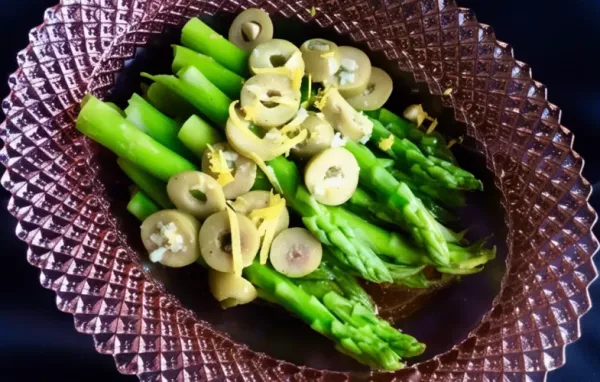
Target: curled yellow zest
267, 219
432, 126
250, 112
454, 141
236, 245
328, 55
237, 122
294, 74
296, 77
386, 144
290, 144
280, 70
218, 165
322, 100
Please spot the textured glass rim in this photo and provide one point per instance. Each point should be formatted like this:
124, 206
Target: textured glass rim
436, 87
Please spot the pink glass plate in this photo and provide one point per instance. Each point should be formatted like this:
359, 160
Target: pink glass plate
66, 208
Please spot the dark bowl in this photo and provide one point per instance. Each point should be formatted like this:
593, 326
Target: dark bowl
511, 321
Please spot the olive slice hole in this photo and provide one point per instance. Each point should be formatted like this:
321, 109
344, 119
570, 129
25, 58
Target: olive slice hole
334, 172
225, 242
319, 46
278, 60
370, 88
199, 195
271, 104
250, 31
297, 254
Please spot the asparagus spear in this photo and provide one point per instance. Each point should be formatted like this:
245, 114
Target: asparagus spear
331, 276
141, 206
224, 79
168, 102
365, 204
107, 127
408, 155
152, 187
195, 88
157, 125
400, 199
433, 144
196, 135
450, 198
261, 182
354, 333
198, 36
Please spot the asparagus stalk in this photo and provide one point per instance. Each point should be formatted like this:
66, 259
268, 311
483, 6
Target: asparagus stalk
354, 333
261, 182
407, 154
195, 88
141, 206
152, 187
400, 199
107, 127
198, 36
433, 144
450, 198
157, 125
116, 108
365, 204
168, 102
224, 79
196, 135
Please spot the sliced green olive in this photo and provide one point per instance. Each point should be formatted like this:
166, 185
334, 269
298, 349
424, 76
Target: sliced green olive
344, 118
274, 54
251, 28
243, 170
353, 75
320, 134
229, 289
215, 241
196, 193
332, 176
321, 57
245, 142
255, 200
376, 93
171, 238
295, 252
270, 100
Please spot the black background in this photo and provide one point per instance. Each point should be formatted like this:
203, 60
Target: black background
560, 42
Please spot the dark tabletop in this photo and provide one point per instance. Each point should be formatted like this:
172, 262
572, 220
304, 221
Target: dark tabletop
39, 343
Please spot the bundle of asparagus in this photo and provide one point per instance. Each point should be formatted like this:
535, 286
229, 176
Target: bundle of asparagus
418, 184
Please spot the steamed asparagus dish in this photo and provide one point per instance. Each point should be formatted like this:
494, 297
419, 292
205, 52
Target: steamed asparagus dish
284, 171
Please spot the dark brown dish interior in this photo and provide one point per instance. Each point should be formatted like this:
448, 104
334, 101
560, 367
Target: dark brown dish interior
439, 318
